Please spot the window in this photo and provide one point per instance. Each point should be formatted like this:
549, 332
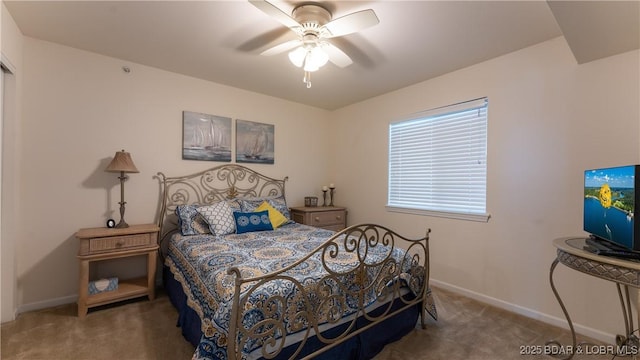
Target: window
438, 162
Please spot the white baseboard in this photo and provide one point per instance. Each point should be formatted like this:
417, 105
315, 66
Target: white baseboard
552, 320
39, 305
10, 318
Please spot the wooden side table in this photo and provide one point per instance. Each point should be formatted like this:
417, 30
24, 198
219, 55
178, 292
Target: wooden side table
326, 217
98, 244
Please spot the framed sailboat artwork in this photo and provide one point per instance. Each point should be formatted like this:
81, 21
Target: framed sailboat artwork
206, 137
254, 142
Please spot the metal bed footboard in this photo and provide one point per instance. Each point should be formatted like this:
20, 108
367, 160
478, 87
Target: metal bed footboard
307, 306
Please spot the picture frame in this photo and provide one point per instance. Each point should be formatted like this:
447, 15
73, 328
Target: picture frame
310, 201
206, 137
255, 142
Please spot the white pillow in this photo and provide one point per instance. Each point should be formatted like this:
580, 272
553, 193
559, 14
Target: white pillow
220, 218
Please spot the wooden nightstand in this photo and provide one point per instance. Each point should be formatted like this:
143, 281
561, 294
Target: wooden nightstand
326, 217
97, 244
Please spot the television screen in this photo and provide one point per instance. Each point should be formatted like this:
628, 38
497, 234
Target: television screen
609, 205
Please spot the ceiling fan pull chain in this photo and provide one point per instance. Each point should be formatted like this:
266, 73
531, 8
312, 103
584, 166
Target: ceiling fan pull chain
307, 79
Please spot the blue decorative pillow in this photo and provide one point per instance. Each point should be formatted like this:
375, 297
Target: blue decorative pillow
190, 222
252, 221
278, 202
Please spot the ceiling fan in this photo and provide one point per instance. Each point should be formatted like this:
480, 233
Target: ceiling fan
314, 26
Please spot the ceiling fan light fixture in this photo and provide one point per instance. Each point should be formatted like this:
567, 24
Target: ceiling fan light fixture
297, 56
318, 57
308, 67
311, 58
314, 25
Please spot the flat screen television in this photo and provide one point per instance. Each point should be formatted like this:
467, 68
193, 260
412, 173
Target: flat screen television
610, 196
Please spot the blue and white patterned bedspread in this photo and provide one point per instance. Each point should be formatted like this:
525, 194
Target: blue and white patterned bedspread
200, 264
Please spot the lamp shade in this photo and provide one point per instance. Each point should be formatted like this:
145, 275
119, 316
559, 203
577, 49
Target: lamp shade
122, 163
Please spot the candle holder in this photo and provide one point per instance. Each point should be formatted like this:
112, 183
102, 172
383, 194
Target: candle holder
324, 197
331, 195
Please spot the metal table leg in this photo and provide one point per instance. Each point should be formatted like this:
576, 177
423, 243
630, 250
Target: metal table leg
566, 315
629, 339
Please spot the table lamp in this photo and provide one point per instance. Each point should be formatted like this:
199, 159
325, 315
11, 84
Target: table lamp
122, 163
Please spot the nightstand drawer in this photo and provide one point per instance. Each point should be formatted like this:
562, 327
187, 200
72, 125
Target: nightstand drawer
118, 242
98, 241
327, 218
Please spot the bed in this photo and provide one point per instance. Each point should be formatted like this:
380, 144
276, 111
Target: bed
261, 286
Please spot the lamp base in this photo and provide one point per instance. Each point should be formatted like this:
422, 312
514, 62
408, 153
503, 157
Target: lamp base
122, 224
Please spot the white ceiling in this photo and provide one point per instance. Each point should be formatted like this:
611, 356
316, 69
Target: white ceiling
221, 41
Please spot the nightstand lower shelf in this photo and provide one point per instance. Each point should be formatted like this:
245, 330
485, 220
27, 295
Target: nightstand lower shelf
127, 289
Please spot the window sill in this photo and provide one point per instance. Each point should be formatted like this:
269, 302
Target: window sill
444, 214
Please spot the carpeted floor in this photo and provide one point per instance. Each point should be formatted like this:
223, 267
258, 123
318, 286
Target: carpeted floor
143, 329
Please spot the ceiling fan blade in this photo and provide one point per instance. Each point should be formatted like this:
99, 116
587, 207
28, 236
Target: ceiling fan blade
282, 47
336, 55
351, 23
277, 14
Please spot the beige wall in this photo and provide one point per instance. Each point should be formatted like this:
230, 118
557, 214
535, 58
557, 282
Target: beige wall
549, 120
80, 108
11, 47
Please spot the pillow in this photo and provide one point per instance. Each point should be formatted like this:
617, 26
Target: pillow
234, 204
252, 221
219, 216
276, 217
278, 202
190, 222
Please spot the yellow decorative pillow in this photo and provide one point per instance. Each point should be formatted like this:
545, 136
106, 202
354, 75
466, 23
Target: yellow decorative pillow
275, 216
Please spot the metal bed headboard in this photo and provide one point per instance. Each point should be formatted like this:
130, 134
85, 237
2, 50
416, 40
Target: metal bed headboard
219, 183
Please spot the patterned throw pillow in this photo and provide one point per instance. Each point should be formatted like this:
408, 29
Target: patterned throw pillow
276, 217
190, 222
219, 216
252, 221
278, 202
234, 204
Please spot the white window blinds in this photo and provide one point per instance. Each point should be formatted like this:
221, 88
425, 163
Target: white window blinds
438, 162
